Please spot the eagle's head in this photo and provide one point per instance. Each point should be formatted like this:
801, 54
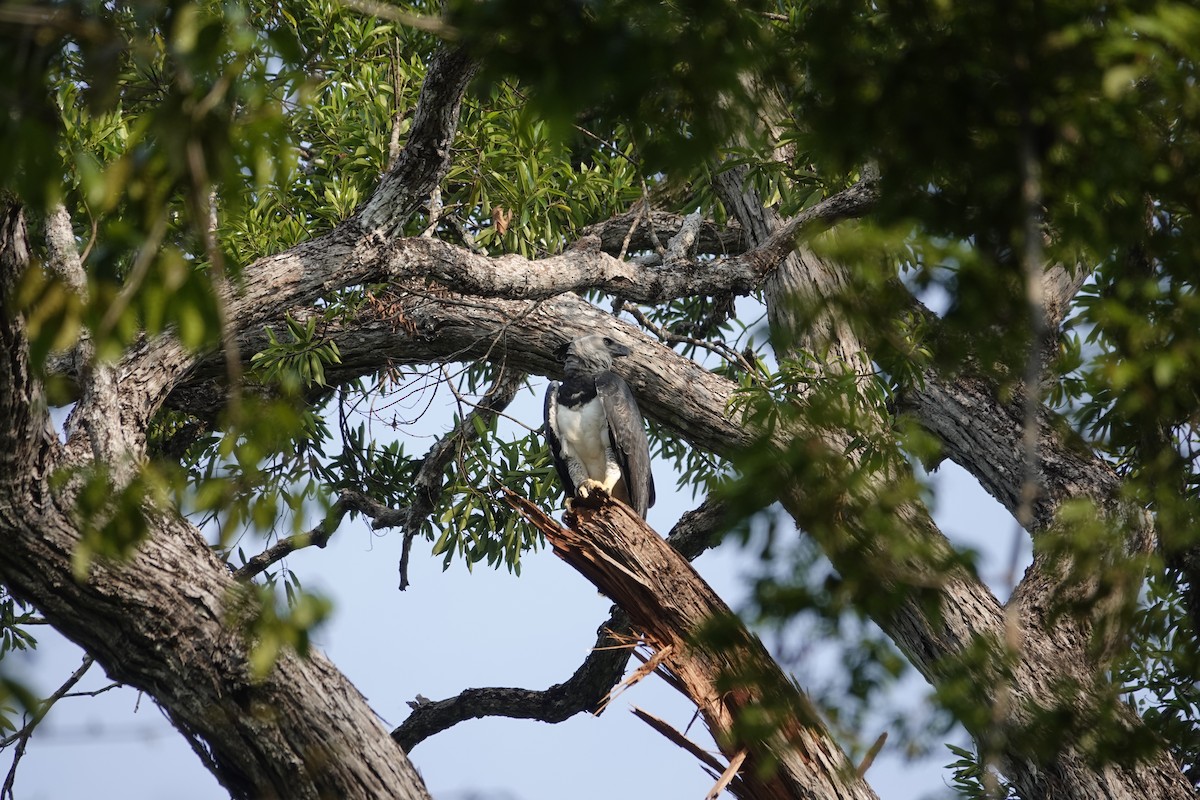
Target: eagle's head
591, 355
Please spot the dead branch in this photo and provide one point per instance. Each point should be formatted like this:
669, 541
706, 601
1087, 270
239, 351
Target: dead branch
737, 686
589, 687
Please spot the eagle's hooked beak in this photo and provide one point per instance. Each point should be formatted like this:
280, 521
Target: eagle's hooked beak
616, 348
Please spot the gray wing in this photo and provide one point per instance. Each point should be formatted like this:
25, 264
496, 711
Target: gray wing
627, 433
551, 412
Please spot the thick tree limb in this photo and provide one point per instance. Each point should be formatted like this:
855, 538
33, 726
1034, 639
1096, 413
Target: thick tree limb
94, 423
670, 606
426, 155
1060, 284
424, 327
62, 256
515, 277
26, 429
967, 614
585, 690
590, 685
987, 436
120, 612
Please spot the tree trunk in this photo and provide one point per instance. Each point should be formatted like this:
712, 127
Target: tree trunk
165, 620
939, 611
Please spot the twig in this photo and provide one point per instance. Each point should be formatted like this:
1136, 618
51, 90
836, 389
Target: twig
429, 481
87, 248
658, 246
397, 117
137, 273
427, 488
667, 337
318, 536
435, 211
869, 758
21, 737
95, 692
728, 775
674, 736
467, 238
641, 209
205, 200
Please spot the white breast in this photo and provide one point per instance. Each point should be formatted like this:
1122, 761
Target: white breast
584, 435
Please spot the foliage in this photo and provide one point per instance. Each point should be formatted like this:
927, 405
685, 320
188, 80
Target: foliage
188, 139
1160, 670
273, 626
971, 777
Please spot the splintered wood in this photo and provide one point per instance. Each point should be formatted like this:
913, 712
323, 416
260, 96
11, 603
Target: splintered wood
645, 669
774, 741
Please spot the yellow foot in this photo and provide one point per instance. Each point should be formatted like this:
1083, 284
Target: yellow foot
588, 487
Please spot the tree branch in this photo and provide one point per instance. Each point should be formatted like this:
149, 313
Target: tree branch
590, 685
426, 155
630, 232
21, 737
731, 684
576, 270
63, 257
26, 422
428, 487
318, 536
430, 478
585, 690
96, 414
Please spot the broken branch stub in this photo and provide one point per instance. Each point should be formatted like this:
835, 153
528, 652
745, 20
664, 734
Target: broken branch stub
747, 702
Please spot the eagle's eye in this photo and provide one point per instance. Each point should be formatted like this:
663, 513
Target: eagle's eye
607, 340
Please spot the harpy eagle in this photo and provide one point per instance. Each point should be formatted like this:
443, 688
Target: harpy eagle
595, 429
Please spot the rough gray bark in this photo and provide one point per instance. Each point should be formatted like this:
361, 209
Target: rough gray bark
423, 161
302, 732
944, 612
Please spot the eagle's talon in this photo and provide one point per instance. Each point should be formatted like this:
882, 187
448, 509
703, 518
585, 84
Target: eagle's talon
589, 486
